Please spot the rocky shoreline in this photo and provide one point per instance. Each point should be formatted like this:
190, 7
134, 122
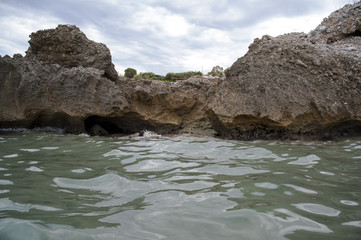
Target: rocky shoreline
294, 86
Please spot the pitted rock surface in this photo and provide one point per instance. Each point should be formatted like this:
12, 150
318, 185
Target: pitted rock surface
67, 46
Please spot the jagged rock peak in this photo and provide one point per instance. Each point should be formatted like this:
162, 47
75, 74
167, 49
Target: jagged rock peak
343, 23
69, 47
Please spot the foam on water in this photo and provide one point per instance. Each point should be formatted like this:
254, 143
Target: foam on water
34, 169
38, 129
16, 130
317, 209
11, 155
30, 150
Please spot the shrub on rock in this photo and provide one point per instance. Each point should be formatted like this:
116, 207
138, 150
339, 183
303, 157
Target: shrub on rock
130, 72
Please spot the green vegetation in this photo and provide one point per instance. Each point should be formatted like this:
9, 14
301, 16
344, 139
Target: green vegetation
149, 76
217, 71
183, 75
130, 72
170, 77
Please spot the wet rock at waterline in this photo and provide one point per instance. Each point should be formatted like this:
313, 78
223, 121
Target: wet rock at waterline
292, 86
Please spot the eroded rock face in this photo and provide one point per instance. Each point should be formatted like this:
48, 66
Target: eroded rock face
166, 107
296, 85
287, 87
34, 94
67, 46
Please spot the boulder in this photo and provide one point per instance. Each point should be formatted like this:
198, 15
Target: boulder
97, 130
67, 46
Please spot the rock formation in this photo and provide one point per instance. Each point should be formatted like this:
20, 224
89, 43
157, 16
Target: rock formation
287, 87
296, 84
67, 46
287, 84
166, 107
34, 94
343, 23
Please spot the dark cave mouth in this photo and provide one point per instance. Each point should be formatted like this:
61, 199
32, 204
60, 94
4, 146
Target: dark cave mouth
127, 124
345, 129
357, 33
96, 125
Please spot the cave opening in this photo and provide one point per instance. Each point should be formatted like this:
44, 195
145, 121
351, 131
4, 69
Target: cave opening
357, 33
53, 120
96, 125
350, 128
127, 124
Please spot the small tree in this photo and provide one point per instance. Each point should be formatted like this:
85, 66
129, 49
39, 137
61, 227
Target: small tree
130, 72
217, 71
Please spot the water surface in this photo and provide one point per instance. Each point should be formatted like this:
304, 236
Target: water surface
56, 186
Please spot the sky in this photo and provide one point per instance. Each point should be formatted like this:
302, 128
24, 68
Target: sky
164, 36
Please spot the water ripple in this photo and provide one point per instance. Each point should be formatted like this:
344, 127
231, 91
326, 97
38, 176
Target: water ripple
58, 186
301, 189
156, 165
307, 160
317, 209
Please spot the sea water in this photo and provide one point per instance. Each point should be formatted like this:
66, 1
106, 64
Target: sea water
59, 186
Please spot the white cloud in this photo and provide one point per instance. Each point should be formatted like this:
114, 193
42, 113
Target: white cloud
16, 24
213, 36
164, 36
93, 33
15, 31
161, 22
281, 25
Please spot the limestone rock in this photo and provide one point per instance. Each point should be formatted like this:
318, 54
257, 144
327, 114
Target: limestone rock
166, 107
67, 46
340, 24
290, 86
34, 94
287, 87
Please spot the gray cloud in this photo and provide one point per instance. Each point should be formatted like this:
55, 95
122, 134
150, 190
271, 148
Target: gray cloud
163, 36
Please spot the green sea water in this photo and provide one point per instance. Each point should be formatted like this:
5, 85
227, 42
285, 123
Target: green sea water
58, 186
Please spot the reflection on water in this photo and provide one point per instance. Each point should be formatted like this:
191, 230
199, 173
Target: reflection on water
55, 186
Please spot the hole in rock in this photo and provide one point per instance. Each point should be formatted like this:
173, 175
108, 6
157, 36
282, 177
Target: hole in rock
106, 75
357, 33
342, 129
125, 125
55, 120
95, 125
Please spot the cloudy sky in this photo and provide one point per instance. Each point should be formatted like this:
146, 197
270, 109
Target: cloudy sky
164, 36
